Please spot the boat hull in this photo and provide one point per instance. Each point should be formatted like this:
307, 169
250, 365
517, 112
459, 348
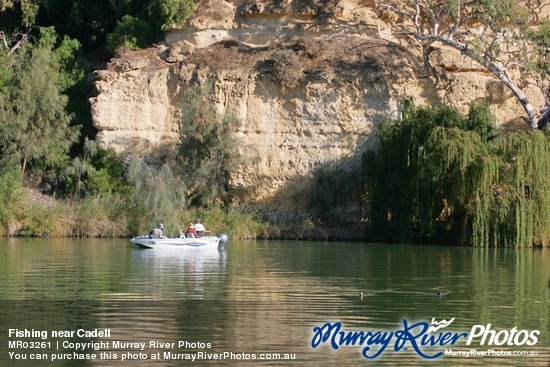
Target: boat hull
184, 244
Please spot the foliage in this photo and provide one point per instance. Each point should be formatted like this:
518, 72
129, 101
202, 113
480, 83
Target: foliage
234, 223
158, 195
66, 57
5, 72
34, 123
116, 217
87, 21
404, 198
171, 13
538, 62
131, 33
92, 21
11, 195
495, 33
513, 204
438, 170
540, 40
44, 221
147, 22
208, 153
99, 172
90, 217
100, 217
24, 10
108, 175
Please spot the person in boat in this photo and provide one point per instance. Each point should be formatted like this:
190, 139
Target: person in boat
191, 231
199, 228
157, 232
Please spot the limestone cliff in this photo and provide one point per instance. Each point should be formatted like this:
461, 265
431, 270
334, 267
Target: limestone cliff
307, 80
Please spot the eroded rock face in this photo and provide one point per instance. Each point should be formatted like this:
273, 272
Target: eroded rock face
308, 81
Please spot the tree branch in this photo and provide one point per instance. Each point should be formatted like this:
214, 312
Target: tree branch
21, 38
4, 41
482, 44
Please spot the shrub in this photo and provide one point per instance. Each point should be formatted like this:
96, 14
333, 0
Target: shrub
287, 68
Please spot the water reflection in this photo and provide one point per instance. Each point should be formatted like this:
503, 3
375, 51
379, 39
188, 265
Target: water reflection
172, 275
266, 297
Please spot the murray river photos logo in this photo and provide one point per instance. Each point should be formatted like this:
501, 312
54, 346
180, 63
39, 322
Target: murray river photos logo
421, 337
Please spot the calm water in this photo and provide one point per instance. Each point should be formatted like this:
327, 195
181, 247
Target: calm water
265, 298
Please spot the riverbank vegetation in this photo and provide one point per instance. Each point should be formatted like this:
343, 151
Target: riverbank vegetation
437, 175
36, 215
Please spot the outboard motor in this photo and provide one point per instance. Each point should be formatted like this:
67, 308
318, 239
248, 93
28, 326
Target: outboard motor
223, 239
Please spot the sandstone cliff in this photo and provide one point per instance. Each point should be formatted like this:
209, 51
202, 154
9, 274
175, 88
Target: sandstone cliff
307, 80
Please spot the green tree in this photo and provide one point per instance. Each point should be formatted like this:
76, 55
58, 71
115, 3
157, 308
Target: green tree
170, 13
437, 173
208, 153
126, 23
147, 22
33, 121
98, 173
22, 14
495, 33
512, 203
131, 33
11, 193
17, 17
158, 194
404, 197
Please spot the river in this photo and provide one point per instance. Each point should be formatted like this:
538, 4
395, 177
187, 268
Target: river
103, 302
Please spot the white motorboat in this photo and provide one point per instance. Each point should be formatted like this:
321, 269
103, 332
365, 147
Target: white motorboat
180, 243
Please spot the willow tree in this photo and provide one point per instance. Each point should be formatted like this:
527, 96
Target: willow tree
512, 200
158, 194
410, 188
500, 35
437, 173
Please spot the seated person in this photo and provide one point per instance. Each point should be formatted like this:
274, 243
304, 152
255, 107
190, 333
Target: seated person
191, 231
199, 228
157, 232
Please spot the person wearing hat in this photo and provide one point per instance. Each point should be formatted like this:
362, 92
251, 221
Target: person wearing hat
191, 231
157, 232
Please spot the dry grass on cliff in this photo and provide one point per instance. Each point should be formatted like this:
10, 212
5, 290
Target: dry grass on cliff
127, 60
228, 55
345, 59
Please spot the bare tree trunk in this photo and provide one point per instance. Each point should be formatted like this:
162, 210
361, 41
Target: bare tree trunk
533, 119
25, 158
498, 72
